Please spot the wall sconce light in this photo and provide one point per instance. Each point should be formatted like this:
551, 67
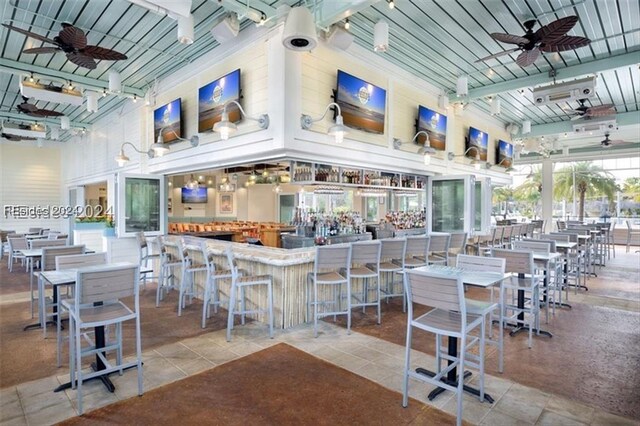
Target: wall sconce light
160, 148
338, 130
509, 169
426, 150
122, 159
476, 162
226, 127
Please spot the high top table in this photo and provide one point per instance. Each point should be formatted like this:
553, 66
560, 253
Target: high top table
476, 279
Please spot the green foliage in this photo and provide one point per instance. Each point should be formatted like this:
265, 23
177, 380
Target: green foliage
631, 189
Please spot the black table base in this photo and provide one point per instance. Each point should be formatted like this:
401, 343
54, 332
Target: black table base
526, 328
452, 376
105, 380
38, 325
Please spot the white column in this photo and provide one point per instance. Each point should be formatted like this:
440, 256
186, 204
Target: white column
547, 193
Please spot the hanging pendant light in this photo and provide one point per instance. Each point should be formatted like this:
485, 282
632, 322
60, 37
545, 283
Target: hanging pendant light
115, 82
381, 36
462, 86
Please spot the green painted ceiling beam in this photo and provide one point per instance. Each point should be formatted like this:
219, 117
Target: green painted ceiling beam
623, 119
573, 71
20, 68
49, 121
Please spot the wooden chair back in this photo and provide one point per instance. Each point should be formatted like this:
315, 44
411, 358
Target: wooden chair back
366, 253
76, 261
106, 283
49, 255
516, 261
440, 243
393, 249
417, 246
480, 263
436, 290
37, 244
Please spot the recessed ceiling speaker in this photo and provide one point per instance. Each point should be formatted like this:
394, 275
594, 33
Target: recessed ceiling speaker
300, 30
226, 28
339, 37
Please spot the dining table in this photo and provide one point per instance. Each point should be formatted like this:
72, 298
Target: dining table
68, 277
471, 278
543, 259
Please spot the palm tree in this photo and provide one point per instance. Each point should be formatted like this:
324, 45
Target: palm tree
587, 179
502, 195
631, 188
530, 191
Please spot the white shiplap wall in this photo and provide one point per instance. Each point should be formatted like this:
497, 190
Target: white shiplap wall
29, 176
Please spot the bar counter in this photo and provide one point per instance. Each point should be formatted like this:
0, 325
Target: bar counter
288, 268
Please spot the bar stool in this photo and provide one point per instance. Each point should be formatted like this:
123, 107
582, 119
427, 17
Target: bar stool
439, 248
211, 288
238, 285
332, 268
146, 258
392, 258
365, 265
416, 251
173, 257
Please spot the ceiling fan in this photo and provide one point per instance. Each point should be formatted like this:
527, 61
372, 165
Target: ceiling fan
548, 38
72, 41
584, 111
606, 142
30, 109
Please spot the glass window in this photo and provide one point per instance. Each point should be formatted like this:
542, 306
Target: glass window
477, 222
142, 205
448, 205
372, 209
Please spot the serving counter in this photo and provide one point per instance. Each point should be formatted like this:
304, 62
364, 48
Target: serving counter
288, 268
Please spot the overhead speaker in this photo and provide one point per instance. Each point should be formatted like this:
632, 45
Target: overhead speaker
339, 37
226, 28
300, 30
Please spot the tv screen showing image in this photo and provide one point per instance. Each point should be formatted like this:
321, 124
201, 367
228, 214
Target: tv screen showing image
362, 104
194, 196
435, 124
167, 119
478, 140
504, 155
213, 97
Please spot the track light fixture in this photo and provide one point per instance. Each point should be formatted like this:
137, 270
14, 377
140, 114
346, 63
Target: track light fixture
226, 127
338, 130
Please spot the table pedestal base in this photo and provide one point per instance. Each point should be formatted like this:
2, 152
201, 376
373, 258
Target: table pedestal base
37, 325
526, 328
437, 391
105, 380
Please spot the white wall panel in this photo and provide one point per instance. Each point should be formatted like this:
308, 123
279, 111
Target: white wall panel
29, 176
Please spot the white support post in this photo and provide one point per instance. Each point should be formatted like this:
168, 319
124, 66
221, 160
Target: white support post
547, 193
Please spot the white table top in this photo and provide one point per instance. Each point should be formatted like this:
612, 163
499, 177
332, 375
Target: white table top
474, 278
38, 252
546, 256
565, 245
68, 276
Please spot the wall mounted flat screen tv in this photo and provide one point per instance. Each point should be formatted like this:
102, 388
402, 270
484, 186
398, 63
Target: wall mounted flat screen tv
168, 119
362, 103
213, 96
478, 140
504, 156
435, 124
194, 196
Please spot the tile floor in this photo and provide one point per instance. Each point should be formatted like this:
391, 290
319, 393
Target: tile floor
34, 403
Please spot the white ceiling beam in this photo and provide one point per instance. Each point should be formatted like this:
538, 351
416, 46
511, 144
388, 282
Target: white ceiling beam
331, 12
622, 119
19, 68
50, 121
242, 10
573, 71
